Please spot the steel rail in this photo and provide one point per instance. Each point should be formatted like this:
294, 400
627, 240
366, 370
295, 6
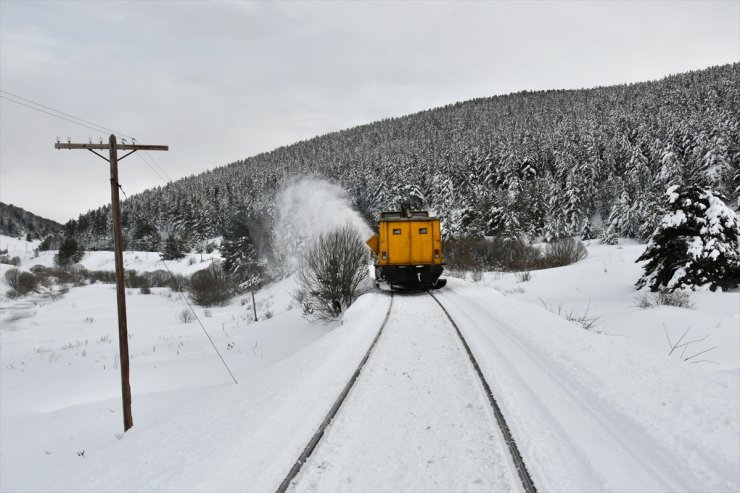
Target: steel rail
332, 412
521, 468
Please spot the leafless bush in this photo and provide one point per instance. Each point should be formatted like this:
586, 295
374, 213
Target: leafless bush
565, 251
586, 321
186, 316
524, 276
102, 276
15, 261
21, 282
27, 283
680, 299
471, 254
13, 277
332, 273
211, 286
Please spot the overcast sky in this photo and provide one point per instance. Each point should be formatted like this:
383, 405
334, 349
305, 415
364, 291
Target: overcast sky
218, 82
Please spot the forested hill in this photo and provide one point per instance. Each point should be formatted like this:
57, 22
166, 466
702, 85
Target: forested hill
15, 221
529, 164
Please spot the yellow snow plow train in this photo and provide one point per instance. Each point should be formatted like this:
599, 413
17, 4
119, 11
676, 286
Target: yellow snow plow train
407, 251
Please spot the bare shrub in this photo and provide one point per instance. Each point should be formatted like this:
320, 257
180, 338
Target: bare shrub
471, 254
27, 282
211, 286
331, 275
524, 276
586, 321
102, 276
134, 280
15, 261
145, 290
13, 277
565, 251
21, 282
680, 299
186, 316
12, 294
663, 297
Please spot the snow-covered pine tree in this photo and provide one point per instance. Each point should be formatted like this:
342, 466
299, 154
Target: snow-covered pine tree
173, 248
695, 245
242, 262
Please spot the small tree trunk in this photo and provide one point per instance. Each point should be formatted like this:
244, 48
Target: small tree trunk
254, 306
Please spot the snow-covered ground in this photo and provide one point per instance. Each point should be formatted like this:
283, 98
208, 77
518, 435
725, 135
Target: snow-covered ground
601, 287
672, 425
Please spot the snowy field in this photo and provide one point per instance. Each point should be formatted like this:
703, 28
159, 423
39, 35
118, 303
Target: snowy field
673, 425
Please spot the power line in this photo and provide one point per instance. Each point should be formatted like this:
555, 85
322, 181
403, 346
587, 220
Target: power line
52, 114
63, 113
161, 174
156, 163
174, 280
150, 166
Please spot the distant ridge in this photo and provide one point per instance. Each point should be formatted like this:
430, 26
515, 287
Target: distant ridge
17, 222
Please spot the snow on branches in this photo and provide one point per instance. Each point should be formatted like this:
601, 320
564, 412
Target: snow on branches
695, 245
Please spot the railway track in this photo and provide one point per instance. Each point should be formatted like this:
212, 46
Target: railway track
333, 411
500, 423
516, 456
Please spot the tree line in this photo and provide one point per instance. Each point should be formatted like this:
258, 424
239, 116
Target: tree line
547, 164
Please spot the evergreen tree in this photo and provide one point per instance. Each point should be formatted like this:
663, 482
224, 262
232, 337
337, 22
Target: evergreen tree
173, 248
695, 245
70, 252
242, 262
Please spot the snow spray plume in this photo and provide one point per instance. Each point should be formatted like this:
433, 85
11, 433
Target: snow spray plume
306, 208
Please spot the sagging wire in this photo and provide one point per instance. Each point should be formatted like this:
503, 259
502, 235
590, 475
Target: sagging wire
179, 289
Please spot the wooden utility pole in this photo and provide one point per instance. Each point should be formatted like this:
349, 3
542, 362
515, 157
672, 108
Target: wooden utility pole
113, 147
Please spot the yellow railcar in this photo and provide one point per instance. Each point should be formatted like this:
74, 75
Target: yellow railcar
408, 250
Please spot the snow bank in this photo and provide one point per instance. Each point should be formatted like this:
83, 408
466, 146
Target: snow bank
243, 437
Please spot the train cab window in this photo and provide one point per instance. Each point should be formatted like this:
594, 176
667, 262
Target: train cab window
396, 231
422, 231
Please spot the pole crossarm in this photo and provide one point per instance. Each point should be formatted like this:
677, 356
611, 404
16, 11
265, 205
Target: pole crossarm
120, 147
